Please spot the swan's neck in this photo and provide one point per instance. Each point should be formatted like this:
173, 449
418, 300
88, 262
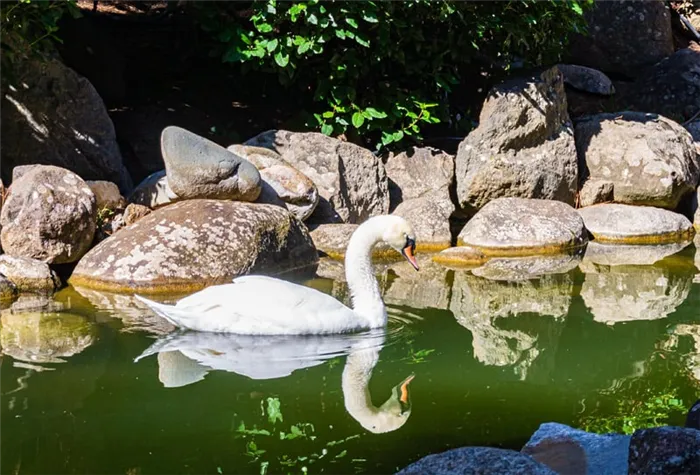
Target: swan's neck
356, 376
364, 289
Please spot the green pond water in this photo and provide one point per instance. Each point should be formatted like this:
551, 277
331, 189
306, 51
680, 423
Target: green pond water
598, 344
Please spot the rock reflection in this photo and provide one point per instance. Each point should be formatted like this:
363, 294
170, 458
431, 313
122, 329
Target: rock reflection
483, 307
524, 268
693, 357
134, 315
186, 357
621, 293
625, 254
44, 337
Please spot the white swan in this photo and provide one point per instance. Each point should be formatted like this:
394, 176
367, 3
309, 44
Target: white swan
259, 305
186, 358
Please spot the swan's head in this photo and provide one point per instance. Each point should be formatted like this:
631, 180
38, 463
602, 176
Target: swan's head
399, 235
394, 413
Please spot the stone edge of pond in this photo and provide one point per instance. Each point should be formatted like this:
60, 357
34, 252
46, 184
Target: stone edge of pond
664, 238
525, 251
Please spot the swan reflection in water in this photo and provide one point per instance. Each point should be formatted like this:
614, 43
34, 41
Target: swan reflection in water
186, 357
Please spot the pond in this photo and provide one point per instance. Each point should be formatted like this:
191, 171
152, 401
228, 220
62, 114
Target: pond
599, 343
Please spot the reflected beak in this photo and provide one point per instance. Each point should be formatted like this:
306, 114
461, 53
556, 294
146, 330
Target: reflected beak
409, 253
403, 387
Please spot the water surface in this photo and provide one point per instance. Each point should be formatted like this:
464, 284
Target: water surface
598, 343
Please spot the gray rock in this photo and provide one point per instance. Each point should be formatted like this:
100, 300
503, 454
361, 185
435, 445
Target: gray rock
586, 79
648, 159
631, 254
476, 461
428, 288
198, 168
516, 226
352, 181
332, 240
622, 293
107, 195
28, 274
594, 192
8, 290
282, 184
670, 87
154, 191
665, 451
607, 45
625, 224
523, 147
419, 186
44, 337
134, 212
692, 420
189, 245
568, 450
53, 116
49, 214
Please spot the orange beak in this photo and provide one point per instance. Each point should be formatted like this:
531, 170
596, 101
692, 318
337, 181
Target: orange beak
409, 253
404, 389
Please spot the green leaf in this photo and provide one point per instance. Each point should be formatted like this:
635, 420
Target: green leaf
370, 17
576, 7
274, 413
272, 45
362, 40
352, 22
304, 47
328, 114
340, 33
281, 59
264, 28
358, 119
312, 19
375, 113
327, 129
397, 136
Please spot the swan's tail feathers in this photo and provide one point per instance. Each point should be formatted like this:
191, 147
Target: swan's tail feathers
171, 313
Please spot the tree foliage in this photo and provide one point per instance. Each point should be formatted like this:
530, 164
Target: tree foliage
385, 69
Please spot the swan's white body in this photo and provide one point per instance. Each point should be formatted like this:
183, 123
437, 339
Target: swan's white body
185, 358
259, 305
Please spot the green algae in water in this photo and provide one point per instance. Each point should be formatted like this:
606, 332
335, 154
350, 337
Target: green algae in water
599, 347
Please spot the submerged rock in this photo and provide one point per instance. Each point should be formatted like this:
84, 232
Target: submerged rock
196, 243
154, 191
615, 294
282, 184
419, 185
516, 227
567, 450
646, 159
665, 451
352, 181
625, 224
44, 337
523, 146
53, 116
476, 461
49, 214
29, 275
198, 168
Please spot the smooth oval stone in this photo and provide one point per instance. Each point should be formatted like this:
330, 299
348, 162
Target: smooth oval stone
626, 224
332, 240
199, 168
195, 243
520, 226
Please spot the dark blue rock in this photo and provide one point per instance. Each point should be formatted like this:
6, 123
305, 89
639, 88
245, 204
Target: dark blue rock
665, 451
692, 421
568, 450
477, 461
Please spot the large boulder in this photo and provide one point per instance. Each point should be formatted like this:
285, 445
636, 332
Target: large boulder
49, 215
625, 224
154, 191
523, 146
516, 226
646, 158
665, 451
351, 180
191, 244
419, 187
607, 45
107, 195
282, 184
476, 461
53, 116
568, 450
332, 240
198, 168
670, 88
